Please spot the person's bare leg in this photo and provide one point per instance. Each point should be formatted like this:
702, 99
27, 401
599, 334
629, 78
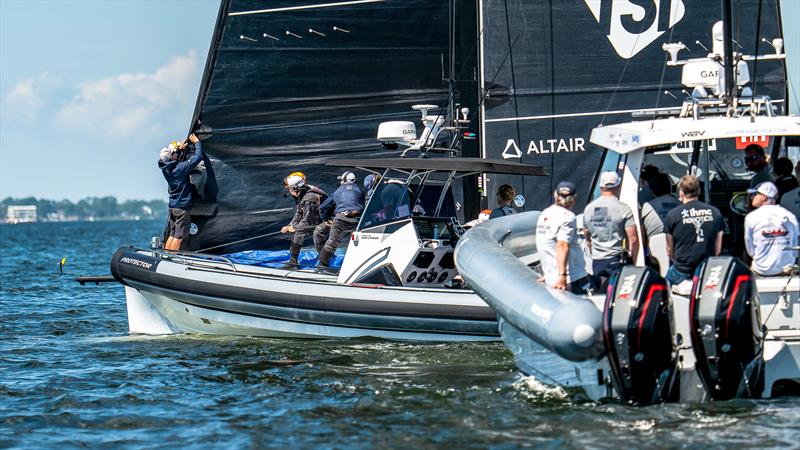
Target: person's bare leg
176, 244
173, 244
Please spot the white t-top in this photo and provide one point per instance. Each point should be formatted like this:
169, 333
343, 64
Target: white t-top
791, 201
767, 230
557, 223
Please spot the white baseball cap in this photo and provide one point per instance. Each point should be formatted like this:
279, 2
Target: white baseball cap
165, 154
767, 188
347, 177
609, 180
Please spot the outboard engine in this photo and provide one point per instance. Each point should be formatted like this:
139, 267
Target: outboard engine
638, 334
726, 329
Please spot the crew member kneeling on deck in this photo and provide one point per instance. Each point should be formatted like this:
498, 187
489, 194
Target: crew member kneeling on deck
561, 257
767, 231
347, 203
175, 162
694, 232
609, 223
306, 215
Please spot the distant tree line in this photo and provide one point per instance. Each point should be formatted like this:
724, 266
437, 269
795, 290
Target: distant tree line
93, 208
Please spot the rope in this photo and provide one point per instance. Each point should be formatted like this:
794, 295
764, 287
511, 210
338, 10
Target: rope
238, 242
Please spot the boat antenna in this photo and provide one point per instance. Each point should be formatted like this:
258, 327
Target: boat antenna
728, 53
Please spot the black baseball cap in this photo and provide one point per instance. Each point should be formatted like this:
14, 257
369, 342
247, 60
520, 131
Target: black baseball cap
565, 189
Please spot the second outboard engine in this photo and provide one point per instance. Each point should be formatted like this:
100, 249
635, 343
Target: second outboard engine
638, 334
726, 329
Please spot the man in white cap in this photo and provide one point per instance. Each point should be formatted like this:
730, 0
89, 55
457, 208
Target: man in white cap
560, 254
609, 225
768, 229
338, 217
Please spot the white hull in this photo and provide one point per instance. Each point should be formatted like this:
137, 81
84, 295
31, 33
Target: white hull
781, 347
171, 296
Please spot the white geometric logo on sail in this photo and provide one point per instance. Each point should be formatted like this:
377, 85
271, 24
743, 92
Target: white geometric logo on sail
632, 25
511, 150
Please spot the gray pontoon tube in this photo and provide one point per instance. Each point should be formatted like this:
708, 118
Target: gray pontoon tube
487, 257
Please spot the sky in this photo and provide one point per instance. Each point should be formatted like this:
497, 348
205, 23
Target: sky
91, 90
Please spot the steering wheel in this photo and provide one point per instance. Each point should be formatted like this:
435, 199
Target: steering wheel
740, 203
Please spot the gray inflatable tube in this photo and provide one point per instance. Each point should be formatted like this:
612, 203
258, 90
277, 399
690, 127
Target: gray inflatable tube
487, 257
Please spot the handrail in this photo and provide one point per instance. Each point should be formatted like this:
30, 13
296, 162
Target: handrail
188, 257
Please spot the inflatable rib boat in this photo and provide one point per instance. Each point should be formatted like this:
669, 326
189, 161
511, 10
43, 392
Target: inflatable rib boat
398, 279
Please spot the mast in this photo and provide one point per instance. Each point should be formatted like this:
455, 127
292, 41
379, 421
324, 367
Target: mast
727, 37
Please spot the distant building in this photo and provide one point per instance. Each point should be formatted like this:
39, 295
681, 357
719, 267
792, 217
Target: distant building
21, 214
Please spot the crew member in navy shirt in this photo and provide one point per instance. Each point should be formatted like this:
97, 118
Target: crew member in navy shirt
176, 162
694, 232
339, 215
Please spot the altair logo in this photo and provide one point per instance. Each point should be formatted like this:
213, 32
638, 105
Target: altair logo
632, 25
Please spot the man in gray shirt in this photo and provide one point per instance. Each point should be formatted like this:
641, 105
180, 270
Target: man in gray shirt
654, 211
609, 222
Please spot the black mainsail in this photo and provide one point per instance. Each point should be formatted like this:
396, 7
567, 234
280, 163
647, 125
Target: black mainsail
553, 70
289, 85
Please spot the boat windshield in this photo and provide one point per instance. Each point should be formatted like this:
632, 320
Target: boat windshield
388, 203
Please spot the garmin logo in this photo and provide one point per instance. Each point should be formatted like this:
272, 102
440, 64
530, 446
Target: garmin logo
136, 262
632, 25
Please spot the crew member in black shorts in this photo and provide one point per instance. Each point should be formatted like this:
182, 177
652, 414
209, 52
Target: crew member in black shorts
175, 162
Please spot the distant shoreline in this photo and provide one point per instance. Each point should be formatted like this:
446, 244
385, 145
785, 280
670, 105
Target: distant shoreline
90, 209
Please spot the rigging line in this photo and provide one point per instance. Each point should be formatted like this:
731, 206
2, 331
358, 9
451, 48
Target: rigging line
513, 78
621, 75
237, 242
451, 89
755, 64
663, 71
552, 97
297, 8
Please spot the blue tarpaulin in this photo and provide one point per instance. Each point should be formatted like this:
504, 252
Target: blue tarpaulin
277, 258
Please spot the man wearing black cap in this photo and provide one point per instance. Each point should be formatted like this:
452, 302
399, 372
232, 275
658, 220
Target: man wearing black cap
339, 215
563, 265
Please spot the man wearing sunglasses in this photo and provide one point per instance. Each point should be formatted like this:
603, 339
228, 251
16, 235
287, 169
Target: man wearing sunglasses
756, 161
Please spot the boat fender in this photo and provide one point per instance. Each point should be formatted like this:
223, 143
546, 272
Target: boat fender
639, 337
725, 329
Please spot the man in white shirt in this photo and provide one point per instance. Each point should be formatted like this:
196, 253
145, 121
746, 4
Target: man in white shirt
560, 255
791, 199
767, 231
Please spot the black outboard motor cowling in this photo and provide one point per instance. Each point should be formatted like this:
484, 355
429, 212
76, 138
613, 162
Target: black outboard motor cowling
638, 334
726, 329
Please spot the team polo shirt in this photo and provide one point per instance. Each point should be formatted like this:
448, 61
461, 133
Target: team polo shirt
694, 227
557, 223
767, 230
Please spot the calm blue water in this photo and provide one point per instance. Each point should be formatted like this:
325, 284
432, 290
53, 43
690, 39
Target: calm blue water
70, 376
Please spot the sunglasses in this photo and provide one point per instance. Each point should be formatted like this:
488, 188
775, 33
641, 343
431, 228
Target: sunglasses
752, 157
